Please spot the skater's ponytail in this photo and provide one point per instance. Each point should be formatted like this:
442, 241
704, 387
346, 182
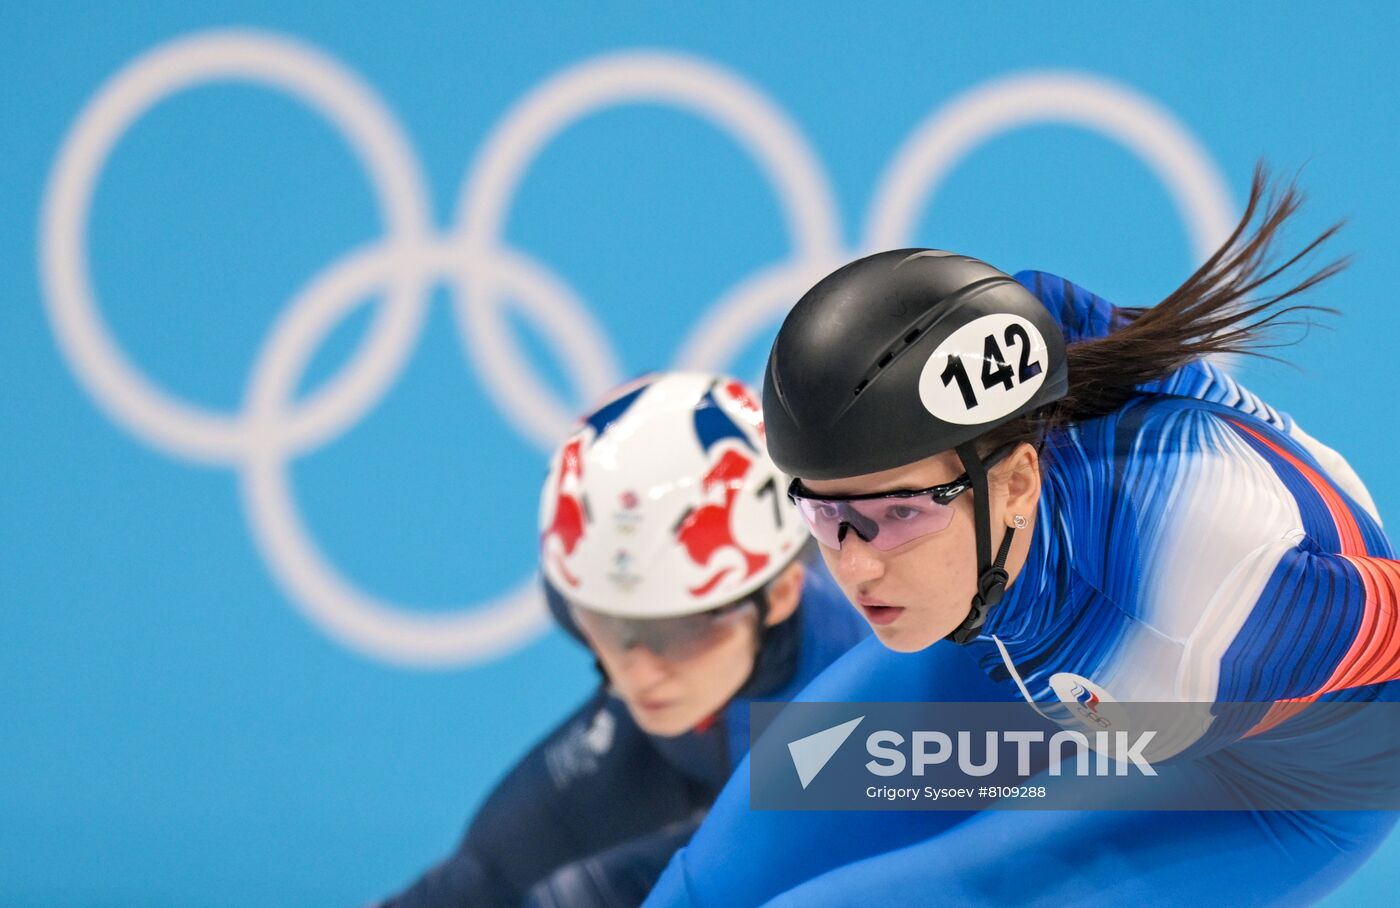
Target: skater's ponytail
1231, 305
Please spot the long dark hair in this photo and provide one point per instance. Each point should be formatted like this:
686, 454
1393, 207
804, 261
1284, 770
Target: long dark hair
1230, 305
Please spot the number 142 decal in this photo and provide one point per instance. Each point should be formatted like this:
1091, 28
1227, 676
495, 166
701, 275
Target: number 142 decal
1012, 355
1014, 336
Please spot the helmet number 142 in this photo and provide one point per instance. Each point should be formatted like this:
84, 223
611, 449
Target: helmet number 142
1011, 354
991, 354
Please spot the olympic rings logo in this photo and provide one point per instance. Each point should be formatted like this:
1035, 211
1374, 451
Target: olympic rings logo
272, 429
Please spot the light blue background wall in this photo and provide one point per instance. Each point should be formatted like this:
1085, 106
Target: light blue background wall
174, 729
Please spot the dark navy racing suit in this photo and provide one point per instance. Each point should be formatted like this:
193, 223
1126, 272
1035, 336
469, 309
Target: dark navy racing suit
592, 814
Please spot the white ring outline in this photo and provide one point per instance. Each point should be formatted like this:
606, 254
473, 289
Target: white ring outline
1109, 108
947, 136
326, 88
702, 89
361, 621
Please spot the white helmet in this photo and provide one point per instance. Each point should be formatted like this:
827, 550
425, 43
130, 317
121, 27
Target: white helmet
664, 502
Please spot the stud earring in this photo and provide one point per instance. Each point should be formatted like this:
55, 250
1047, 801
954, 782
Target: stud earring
1019, 521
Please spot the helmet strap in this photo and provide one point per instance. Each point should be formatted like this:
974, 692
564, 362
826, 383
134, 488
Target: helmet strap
760, 601
759, 598
991, 575
779, 652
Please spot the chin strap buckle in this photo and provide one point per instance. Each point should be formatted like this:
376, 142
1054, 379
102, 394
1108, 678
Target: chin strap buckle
990, 587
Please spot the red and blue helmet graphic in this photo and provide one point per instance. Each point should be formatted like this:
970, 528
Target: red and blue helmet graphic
664, 501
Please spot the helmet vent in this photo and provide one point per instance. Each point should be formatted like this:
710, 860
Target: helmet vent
927, 320
895, 349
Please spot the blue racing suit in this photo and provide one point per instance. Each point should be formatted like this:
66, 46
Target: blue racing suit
1192, 546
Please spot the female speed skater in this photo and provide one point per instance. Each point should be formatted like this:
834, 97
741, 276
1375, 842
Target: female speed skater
669, 547
1063, 489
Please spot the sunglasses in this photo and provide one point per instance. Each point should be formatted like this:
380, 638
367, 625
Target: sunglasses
884, 520
674, 639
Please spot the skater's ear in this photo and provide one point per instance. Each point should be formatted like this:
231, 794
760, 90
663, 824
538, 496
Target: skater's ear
784, 592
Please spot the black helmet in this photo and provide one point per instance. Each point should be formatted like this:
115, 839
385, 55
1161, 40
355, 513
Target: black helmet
902, 355
856, 379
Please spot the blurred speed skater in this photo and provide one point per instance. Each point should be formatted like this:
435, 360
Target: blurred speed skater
669, 546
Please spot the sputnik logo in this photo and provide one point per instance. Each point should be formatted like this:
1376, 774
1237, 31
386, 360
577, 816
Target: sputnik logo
811, 754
